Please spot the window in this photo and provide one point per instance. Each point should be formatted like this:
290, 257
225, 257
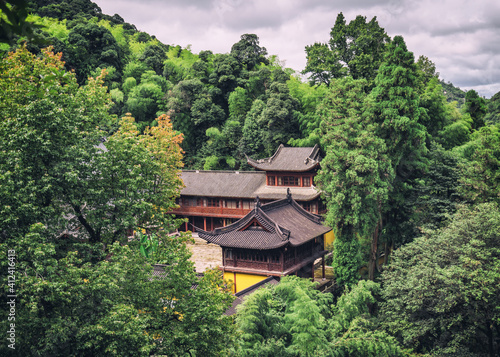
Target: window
271, 181
248, 204
290, 181
232, 204
201, 202
185, 201
306, 181
213, 202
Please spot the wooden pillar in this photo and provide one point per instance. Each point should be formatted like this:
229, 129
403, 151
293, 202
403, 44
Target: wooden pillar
282, 258
211, 223
312, 271
186, 227
323, 267
204, 223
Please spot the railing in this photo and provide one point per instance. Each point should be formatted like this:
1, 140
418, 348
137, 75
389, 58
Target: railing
252, 265
211, 211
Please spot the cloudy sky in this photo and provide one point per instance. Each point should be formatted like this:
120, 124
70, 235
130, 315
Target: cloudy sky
462, 37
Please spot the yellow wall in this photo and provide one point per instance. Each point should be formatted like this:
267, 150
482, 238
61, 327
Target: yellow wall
242, 281
329, 238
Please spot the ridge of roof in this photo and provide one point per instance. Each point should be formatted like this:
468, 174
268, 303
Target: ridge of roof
288, 200
223, 171
258, 214
289, 160
276, 153
314, 153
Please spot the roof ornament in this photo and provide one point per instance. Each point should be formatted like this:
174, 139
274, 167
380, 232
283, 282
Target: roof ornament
258, 204
289, 195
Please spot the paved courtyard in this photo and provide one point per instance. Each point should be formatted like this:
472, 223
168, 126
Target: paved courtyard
205, 255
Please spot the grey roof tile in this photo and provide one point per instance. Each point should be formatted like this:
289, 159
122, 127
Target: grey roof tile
294, 159
283, 222
235, 184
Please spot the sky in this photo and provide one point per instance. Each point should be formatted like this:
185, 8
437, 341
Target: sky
462, 37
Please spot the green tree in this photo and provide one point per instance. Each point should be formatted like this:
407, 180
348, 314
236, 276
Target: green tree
287, 319
54, 167
356, 173
355, 49
354, 331
480, 179
493, 115
248, 51
310, 98
436, 114
48, 124
437, 196
91, 46
14, 22
280, 117
475, 106
154, 56
252, 139
294, 319
71, 306
441, 291
146, 98
393, 107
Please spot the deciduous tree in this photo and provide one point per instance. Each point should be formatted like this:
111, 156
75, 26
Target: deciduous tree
441, 291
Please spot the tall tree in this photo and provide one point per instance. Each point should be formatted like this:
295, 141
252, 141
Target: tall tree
393, 107
248, 51
475, 106
287, 319
356, 174
355, 49
48, 124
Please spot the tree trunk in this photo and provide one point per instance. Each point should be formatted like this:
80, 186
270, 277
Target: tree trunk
372, 264
373, 255
94, 236
386, 253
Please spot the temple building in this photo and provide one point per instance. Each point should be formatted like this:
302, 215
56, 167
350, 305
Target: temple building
274, 239
214, 199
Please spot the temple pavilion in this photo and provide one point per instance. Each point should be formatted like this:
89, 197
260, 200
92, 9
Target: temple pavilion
214, 199
274, 239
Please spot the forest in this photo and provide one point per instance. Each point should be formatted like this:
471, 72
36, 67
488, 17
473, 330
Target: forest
96, 121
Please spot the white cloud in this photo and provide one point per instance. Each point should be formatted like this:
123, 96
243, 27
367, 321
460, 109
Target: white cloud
462, 37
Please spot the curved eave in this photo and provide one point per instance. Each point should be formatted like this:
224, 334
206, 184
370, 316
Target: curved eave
268, 167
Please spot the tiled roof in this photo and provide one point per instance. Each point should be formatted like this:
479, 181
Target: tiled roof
294, 159
281, 222
239, 184
267, 236
236, 184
